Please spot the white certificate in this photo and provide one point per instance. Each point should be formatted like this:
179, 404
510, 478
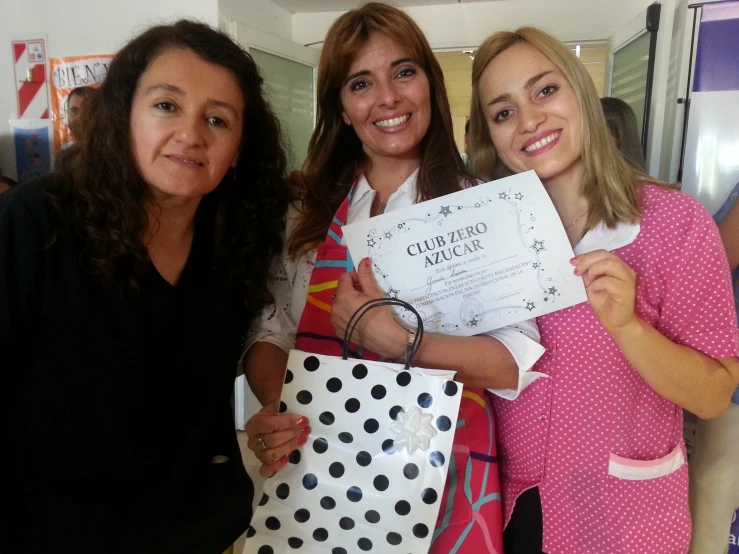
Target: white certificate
473, 261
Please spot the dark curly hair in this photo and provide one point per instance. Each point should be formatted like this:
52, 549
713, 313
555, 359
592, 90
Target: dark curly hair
108, 197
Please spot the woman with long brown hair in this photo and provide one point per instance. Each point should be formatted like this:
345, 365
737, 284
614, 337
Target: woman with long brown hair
621, 121
383, 141
127, 282
593, 458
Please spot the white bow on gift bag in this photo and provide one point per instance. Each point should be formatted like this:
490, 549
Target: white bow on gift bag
372, 474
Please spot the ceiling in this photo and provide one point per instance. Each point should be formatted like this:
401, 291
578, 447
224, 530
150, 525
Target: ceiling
307, 6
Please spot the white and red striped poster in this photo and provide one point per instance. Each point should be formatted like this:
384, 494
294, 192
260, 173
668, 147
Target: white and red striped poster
32, 92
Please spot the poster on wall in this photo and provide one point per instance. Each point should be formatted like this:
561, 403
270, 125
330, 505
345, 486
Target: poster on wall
29, 71
67, 74
32, 143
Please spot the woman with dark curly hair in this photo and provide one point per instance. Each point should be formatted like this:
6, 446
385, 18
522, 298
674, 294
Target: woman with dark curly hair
127, 282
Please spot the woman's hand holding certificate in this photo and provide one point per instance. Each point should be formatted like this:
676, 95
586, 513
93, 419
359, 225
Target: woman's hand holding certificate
476, 260
376, 330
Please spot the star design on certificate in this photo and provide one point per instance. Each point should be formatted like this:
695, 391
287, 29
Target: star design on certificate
413, 430
530, 305
503, 196
392, 293
538, 246
519, 196
388, 235
459, 208
546, 299
445, 211
401, 225
536, 265
477, 204
473, 322
552, 291
371, 243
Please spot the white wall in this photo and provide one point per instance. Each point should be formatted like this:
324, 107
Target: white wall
462, 25
260, 14
77, 27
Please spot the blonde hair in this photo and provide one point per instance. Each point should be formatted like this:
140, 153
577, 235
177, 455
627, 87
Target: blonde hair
610, 184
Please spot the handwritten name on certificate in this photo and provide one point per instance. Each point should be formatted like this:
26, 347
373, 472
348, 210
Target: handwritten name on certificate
476, 260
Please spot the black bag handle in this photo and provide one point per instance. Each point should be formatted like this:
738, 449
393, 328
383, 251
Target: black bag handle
377, 303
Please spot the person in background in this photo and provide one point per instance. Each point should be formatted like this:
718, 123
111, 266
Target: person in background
465, 157
592, 457
714, 478
383, 141
622, 124
76, 102
127, 283
6, 183
75, 106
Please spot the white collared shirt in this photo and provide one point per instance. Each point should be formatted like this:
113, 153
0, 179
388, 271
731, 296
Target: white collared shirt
601, 237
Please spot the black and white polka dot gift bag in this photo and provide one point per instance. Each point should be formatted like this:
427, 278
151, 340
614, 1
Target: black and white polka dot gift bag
371, 476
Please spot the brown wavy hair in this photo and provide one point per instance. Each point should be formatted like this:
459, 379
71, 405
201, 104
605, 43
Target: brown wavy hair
610, 184
104, 199
335, 156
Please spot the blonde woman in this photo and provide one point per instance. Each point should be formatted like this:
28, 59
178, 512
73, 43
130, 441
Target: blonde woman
592, 457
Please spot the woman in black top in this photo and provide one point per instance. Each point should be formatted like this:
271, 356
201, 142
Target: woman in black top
127, 282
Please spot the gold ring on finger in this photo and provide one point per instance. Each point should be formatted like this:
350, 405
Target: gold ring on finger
260, 446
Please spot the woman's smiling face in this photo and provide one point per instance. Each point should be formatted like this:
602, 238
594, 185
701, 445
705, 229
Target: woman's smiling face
533, 114
386, 98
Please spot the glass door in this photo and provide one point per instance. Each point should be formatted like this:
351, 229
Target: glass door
289, 88
629, 70
289, 72
631, 75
